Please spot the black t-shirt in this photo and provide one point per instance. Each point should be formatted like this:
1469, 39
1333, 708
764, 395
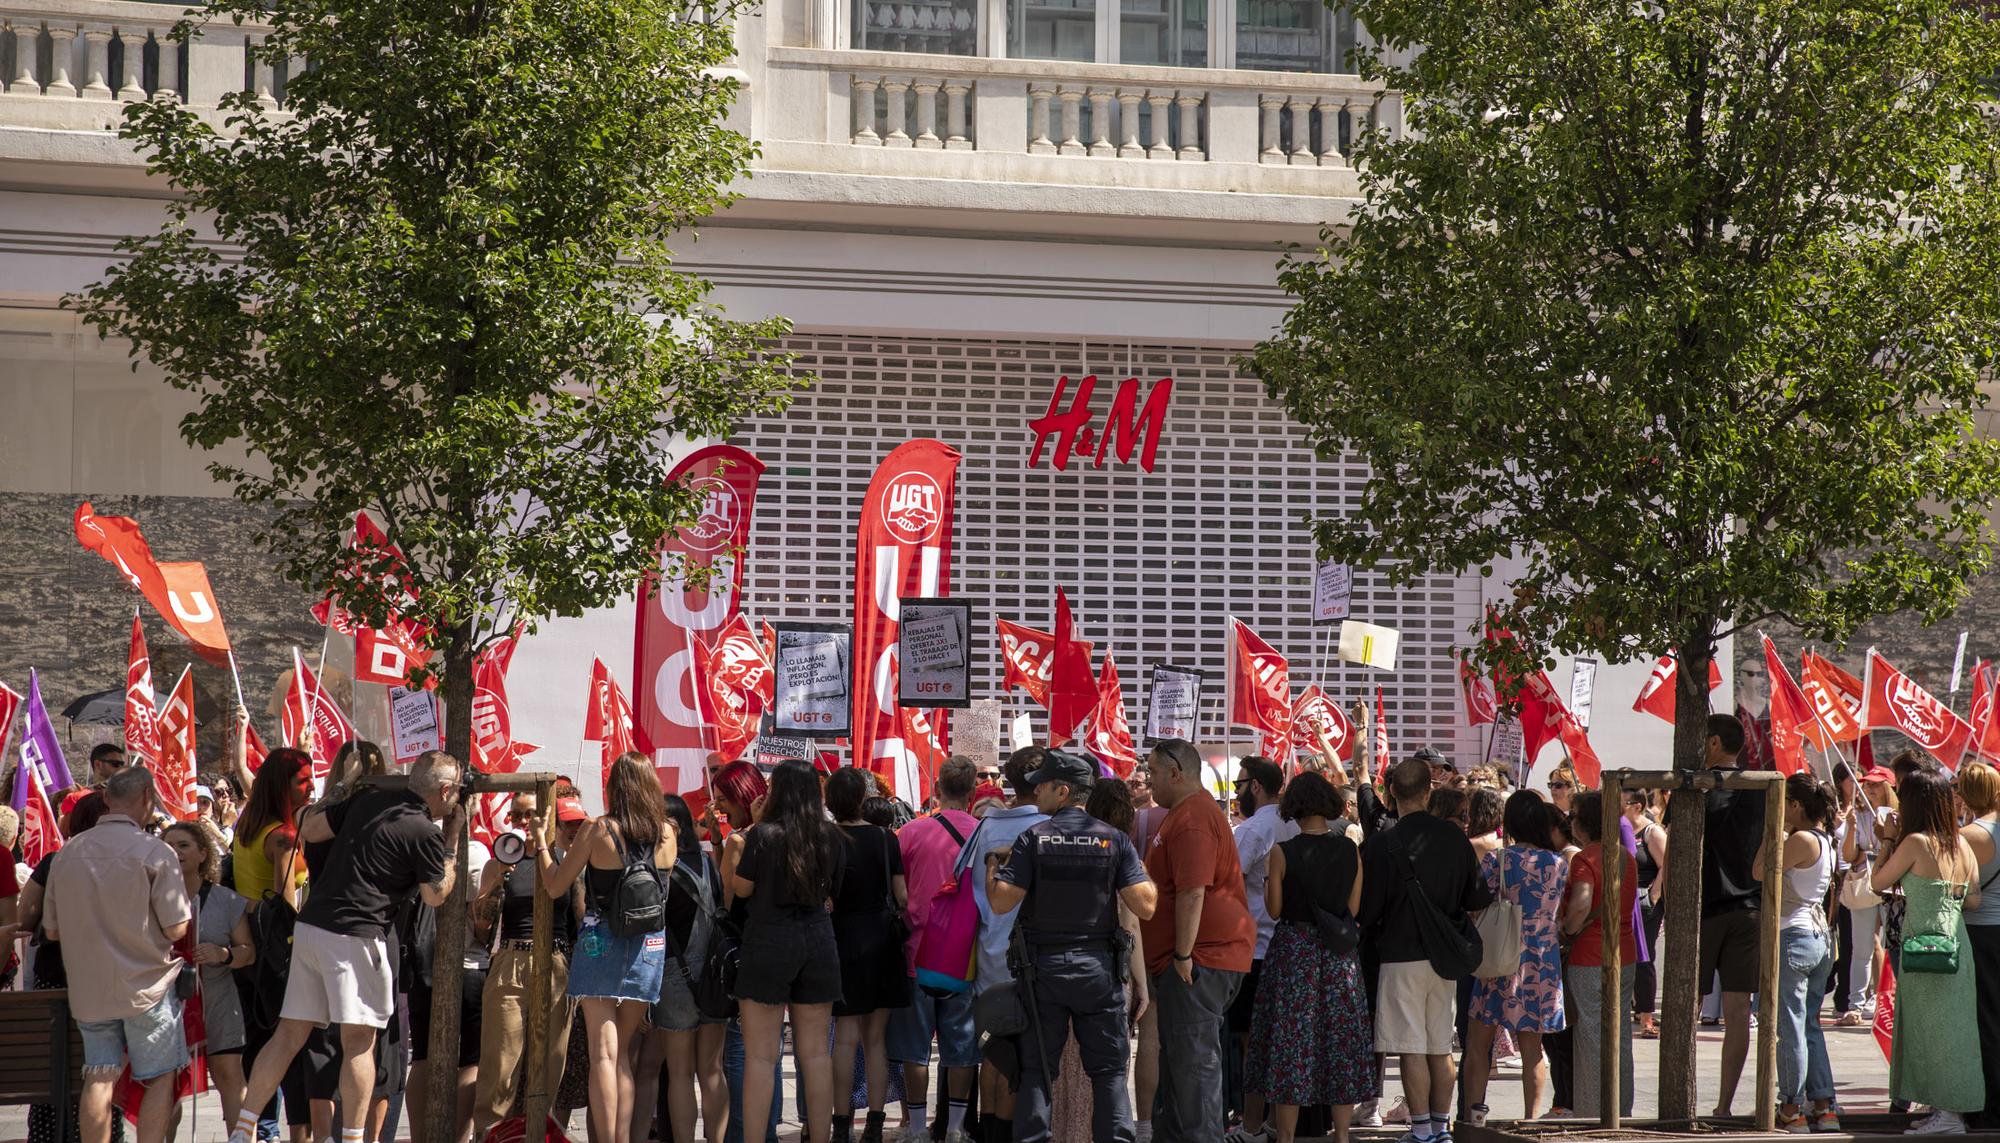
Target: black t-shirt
763, 863
873, 858
1072, 866
49, 971
385, 845
1729, 851
1447, 869
517, 905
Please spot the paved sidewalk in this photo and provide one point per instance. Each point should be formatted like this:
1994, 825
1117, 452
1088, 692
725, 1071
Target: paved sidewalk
1858, 1068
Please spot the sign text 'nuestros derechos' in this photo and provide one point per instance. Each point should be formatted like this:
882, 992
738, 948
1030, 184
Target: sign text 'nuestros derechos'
1127, 427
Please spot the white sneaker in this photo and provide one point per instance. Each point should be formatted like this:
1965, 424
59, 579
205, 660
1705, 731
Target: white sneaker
1367, 1113
917, 1133
956, 1137
1508, 1063
1142, 1131
237, 1136
1939, 1123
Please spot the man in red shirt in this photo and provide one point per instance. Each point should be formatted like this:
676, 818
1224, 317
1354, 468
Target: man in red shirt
1198, 943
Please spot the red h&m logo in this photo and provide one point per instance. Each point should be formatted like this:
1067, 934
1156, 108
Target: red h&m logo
1075, 436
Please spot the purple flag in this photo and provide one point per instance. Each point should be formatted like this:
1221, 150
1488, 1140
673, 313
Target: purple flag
40, 748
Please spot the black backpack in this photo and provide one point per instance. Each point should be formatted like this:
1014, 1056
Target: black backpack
635, 906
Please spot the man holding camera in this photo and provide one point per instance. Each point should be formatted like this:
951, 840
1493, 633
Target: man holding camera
1071, 871
386, 847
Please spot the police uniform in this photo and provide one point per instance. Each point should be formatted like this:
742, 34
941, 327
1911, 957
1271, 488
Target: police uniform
1072, 867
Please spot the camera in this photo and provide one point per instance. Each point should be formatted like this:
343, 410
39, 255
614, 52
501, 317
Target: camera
509, 847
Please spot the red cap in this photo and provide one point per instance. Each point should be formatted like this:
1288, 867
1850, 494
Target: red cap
987, 790
570, 809
1878, 774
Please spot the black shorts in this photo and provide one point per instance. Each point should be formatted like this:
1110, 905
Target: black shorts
1729, 944
784, 963
1241, 1008
470, 1008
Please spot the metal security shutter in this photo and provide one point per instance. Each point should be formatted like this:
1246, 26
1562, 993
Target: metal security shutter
1153, 562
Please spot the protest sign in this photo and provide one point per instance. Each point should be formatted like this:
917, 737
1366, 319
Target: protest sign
1504, 749
769, 749
814, 670
1021, 732
934, 653
1582, 686
975, 732
413, 723
1173, 703
1368, 644
1333, 591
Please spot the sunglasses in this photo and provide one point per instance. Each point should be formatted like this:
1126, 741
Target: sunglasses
1560, 786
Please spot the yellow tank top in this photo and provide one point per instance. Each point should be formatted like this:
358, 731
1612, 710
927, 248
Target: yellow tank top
255, 875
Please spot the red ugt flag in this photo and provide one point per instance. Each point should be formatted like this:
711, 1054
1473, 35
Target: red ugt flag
1381, 739
1481, 704
1891, 700
1110, 735
142, 728
40, 833
1985, 726
309, 719
1791, 714
1072, 690
1316, 719
1657, 696
608, 718
173, 778
1259, 686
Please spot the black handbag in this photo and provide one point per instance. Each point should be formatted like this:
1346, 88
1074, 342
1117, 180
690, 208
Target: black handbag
1337, 932
715, 989
1001, 1010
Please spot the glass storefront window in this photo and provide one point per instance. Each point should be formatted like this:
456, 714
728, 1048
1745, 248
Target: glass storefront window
932, 27
1172, 33
1052, 29
1293, 35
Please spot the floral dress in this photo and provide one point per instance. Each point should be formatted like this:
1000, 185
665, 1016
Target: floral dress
1531, 1000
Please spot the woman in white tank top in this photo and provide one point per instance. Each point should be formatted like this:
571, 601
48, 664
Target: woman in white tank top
1805, 957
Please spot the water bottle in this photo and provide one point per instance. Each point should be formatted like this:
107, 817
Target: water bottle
592, 941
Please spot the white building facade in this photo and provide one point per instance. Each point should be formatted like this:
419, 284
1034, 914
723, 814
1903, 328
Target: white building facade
965, 208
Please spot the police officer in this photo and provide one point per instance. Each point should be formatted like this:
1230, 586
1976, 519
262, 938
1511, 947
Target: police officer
1072, 871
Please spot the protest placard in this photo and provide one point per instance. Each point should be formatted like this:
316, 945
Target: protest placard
934, 653
813, 678
413, 723
1173, 703
1333, 591
770, 749
1504, 749
1582, 688
1021, 732
975, 732
1368, 644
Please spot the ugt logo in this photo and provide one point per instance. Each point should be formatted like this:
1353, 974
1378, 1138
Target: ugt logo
1073, 433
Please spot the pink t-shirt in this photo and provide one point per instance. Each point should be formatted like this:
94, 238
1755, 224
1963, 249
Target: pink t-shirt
929, 853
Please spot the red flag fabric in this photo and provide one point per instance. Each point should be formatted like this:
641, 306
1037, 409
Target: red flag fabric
1884, 1025
607, 718
1830, 707
1985, 726
727, 704
1027, 657
674, 612
311, 721
1891, 700
1657, 696
920, 734
1072, 690
173, 776
1110, 736
383, 655
10, 705
1381, 739
768, 636
1791, 714
1582, 756
1833, 694
1259, 685
1545, 717
492, 718
253, 749
179, 592
142, 726
1477, 690
1316, 717
41, 834
902, 551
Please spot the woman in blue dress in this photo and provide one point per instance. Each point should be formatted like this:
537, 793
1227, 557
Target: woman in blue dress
1530, 872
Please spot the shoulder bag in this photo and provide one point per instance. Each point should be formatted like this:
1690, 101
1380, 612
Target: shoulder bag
1499, 928
1451, 944
899, 926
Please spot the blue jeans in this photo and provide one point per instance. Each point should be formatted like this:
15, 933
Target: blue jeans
732, 1070
1805, 960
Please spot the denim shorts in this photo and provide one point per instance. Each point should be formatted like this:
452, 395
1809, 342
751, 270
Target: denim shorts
153, 1039
948, 1018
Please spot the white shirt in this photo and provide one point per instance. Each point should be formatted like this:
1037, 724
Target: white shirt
1255, 838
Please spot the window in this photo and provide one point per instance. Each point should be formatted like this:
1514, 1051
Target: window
1293, 35
931, 27
1173, 33
1052, 29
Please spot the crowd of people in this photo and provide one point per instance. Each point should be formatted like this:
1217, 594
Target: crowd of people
1143, 960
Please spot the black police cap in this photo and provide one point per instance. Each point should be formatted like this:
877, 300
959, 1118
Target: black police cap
1062, 766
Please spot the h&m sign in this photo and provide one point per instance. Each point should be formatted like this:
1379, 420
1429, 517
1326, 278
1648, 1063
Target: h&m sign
1127, 427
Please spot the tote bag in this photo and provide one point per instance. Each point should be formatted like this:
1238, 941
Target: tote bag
1500, 932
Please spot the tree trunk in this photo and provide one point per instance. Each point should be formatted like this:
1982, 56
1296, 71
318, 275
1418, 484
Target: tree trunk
1686, 835
448, 970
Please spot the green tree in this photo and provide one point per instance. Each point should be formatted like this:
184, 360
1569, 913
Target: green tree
1682, 306
439, 285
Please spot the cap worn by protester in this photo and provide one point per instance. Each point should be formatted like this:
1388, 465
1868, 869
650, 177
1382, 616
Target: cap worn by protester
570, 809
987, 790
201, 792
1879, 773
1430, 756
1072, 769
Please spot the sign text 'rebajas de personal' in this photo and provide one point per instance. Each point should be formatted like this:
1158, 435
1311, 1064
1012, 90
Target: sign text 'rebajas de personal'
1075, 436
